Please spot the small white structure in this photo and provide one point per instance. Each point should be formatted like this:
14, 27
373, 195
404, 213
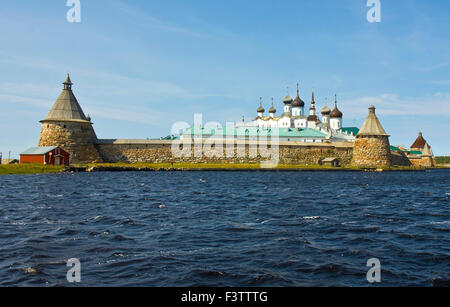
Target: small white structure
336, 116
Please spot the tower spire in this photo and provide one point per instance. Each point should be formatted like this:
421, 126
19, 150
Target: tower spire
68, 83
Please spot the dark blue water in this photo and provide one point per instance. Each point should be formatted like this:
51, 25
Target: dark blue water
235, 229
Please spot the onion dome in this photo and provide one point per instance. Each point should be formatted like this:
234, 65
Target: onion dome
336, 113
288, 99
313, 118
260, 109
298, 102
272, 110
326, 110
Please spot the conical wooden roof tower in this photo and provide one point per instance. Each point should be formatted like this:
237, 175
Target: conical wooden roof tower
372, 126
66, 107
372, 148
419, 143
66, 126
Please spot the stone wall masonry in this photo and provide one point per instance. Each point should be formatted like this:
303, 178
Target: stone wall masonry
423, 161
400, 159
372, 151
76, 138
132, 151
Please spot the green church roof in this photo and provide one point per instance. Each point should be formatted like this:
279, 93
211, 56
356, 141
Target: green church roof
395, 148
350, 130
253, 132
415, 152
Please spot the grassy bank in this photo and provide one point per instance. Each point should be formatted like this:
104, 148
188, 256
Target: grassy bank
17, 169
39, 169
443, 160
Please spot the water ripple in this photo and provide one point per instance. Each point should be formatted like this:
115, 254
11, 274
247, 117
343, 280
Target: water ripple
225, 229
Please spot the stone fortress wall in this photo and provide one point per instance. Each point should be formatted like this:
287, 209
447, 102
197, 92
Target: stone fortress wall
67, 126
423, 162
155, 151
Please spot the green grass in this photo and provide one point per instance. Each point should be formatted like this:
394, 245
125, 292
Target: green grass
22, 169
443, 160
40, 169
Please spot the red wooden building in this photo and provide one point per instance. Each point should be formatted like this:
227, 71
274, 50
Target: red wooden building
46, 155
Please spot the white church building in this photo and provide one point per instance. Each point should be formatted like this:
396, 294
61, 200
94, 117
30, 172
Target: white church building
294, 117
292, 125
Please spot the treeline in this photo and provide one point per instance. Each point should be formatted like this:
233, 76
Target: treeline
443, 160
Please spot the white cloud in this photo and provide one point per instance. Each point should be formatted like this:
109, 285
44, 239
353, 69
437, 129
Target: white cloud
8, 100
36, 90
441, 82
434, 67
392, 104
143, 116
150, 21
152, 90
208, 31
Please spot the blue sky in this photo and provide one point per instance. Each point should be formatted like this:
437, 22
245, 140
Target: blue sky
141, 66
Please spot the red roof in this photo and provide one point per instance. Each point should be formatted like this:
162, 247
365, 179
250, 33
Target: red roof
420, 142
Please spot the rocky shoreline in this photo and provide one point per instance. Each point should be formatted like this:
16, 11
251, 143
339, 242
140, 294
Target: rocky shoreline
92, 169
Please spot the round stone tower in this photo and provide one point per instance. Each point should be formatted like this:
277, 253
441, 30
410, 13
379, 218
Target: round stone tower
372, 148
67, 126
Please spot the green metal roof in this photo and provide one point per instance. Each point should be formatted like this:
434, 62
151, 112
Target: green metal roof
254, 132
349, 130
410, 152
395, 148
170, 137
